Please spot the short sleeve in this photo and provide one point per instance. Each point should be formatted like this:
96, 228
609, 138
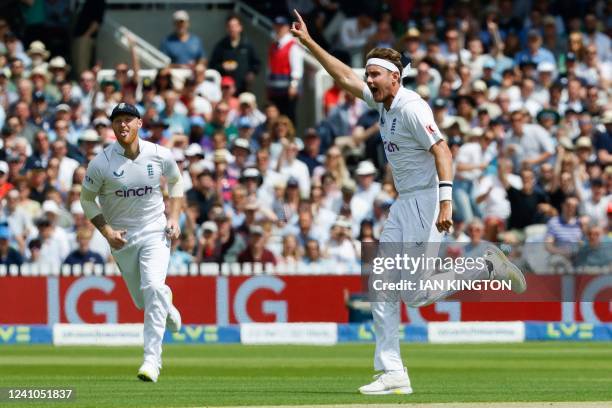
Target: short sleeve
425, 129
93, 177
369, 98
170, 169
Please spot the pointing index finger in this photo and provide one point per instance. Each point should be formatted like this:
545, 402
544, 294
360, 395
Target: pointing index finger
298, 17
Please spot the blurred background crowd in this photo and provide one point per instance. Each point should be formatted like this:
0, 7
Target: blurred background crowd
520, 89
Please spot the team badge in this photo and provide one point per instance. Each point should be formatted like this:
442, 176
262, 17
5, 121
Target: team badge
150, 170
118, 174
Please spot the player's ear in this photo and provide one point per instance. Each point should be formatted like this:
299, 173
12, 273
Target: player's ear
139, 123
396, 76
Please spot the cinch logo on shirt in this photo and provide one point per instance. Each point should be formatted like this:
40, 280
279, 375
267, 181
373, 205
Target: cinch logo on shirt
134, 192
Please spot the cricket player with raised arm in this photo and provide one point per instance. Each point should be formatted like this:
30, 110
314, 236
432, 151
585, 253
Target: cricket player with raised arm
422, 172
126, 176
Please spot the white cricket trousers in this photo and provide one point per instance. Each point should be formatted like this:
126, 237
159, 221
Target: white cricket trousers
411, 228
143, 263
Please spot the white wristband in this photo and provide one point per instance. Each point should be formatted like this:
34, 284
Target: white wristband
446, 190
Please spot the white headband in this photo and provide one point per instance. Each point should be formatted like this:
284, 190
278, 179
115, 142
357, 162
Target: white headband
382, 63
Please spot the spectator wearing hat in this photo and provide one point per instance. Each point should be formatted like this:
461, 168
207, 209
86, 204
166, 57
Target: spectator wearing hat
310, 154
55, 244
527, 143
549, 119
285, 69
37, 183
83, 254
367, 187
489, 75
241, 150
546, 77
248, 109
208, 249
410, 47
38, 54
41, 115
235, 56
228, 95
251, 179
59, 69
184, 48
8, 254
256, 250
552, 39
245, 131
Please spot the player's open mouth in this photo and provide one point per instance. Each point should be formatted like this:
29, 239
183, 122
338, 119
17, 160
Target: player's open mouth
374, 91
124, 133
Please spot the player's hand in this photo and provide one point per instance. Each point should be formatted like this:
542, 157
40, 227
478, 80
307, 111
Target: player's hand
116, 238
298, 29
172, 229
293, 92
445, 217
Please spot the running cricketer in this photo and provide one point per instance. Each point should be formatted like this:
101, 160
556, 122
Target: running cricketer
421, 163
126, 176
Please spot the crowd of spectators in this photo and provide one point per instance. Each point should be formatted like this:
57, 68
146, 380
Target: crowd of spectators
521, 91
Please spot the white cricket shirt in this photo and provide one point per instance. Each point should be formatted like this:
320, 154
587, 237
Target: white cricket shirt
129, 190
408, 131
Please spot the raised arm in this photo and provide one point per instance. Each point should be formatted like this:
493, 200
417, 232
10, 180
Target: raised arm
346, 78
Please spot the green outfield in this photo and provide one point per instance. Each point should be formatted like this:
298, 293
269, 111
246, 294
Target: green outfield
303, 375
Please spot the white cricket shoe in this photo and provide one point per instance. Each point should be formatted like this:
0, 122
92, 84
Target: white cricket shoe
505, 270
148, 372
173, 320
392, 382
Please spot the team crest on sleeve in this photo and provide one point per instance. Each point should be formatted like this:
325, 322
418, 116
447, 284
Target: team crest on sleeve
150, 170
431, 129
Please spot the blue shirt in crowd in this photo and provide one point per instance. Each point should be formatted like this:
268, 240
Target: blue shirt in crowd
183, 52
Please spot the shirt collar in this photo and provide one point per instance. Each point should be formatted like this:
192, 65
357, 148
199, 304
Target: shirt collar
397, 99
120, 150
285, 39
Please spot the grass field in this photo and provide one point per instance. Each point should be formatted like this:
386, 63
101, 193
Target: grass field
299, 375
